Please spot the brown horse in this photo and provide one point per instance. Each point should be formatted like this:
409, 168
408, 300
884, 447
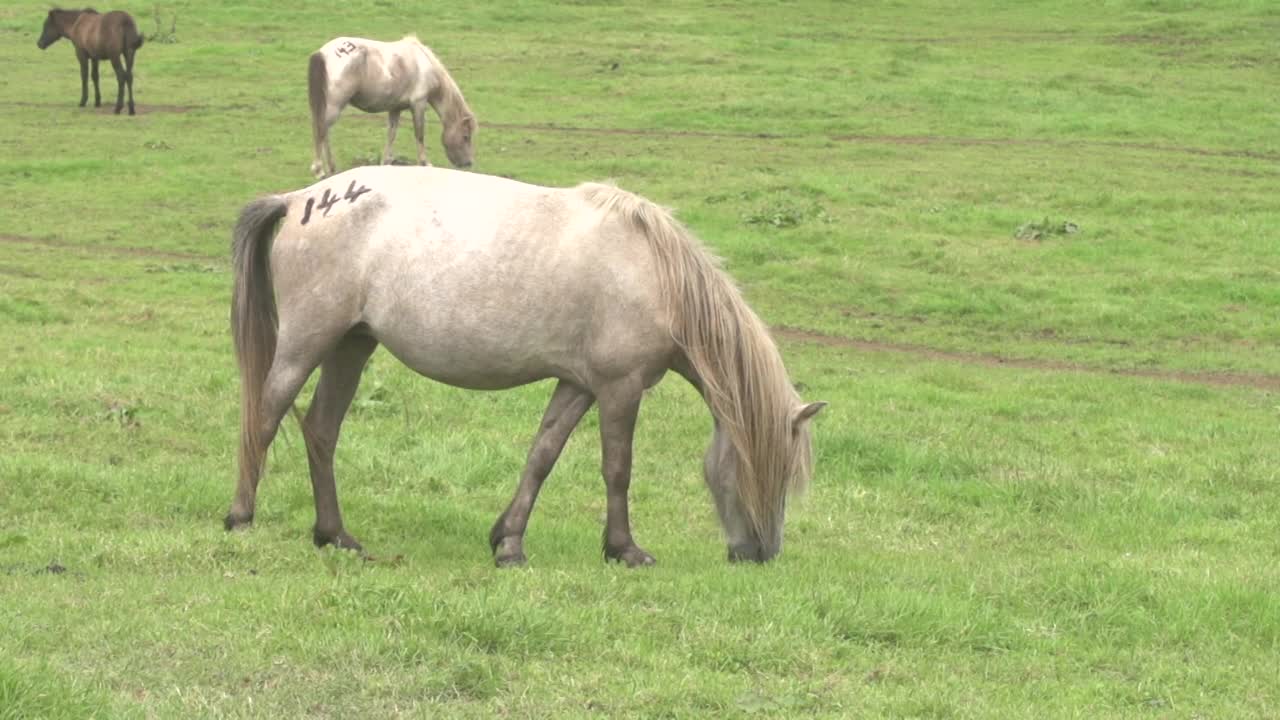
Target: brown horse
97, 37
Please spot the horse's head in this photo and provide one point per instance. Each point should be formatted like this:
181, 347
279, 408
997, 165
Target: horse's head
51, 32
762, 540
457, 137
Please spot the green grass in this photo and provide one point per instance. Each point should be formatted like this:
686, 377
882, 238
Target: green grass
1045, 484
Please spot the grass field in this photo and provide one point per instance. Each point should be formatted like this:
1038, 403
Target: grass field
1028, 252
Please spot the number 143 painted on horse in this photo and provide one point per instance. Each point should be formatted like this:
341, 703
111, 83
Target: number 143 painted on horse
386, 77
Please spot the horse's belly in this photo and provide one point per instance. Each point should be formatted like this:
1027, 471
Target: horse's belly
464, 360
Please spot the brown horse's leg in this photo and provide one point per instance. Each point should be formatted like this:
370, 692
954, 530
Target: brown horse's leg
567, 406
128, 74
339, 378
83, 57
119, 68
97, 94
619, 406
419, 131
393, 122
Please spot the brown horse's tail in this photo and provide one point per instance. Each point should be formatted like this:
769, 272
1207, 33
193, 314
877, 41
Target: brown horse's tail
253, 319
317, 86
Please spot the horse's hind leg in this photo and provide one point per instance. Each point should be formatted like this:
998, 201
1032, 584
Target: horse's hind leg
128, 75
120, 76
393, 122
339, 378
567, 406
324, 165
419, 132
285, 378
619, 405
97, 93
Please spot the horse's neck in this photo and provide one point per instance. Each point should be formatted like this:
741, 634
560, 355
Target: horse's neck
446, 98
66, 20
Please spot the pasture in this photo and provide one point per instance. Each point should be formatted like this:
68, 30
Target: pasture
1027, 252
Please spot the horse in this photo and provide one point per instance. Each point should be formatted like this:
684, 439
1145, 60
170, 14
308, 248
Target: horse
97, 37
486, 283
386, 77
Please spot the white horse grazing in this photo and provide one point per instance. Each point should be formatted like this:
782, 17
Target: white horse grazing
386, 77
487, 283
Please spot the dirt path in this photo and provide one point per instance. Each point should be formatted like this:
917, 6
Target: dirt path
1219, 379
902, 140
61, 244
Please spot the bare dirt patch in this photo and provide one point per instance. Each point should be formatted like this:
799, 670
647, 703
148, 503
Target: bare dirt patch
898, 140
1220, 379
108, 108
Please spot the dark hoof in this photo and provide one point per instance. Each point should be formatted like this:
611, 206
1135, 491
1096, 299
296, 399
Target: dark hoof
512, 560
508, 551
340, 540
633, 556
232, 522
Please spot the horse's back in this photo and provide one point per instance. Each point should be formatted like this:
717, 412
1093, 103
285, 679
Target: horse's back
106, 35
474, 280
376, 76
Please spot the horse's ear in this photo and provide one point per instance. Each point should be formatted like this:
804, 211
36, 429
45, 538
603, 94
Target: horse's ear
805, 413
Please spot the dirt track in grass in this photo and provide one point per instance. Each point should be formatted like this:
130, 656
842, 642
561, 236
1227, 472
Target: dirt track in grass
1212, 378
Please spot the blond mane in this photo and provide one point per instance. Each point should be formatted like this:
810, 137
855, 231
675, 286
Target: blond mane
730, 350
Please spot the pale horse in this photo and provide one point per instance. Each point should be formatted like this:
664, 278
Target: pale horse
487, 283
386, 77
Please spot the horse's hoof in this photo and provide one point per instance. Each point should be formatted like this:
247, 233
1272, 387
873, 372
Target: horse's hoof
340, 540
235, 522
507, 551
513, 560
633, 556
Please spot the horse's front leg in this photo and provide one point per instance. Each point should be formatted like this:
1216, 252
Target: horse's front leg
97, 94
568, 404
393, 122
419, 132
618, 409
83, 57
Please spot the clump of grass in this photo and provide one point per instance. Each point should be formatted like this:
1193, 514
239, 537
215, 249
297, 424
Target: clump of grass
784, 214
1036, 231
160, 34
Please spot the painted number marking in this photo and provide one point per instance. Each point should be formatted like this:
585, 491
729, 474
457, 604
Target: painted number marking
345, 48
329, 199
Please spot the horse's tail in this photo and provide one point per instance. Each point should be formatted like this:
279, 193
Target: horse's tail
731, 353
317, 86
132, 38
253, 319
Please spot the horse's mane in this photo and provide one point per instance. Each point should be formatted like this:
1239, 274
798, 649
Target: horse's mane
736, 362
455, 105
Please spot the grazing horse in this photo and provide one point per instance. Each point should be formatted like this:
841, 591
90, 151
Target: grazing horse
97, 37
487, 283
386, 77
